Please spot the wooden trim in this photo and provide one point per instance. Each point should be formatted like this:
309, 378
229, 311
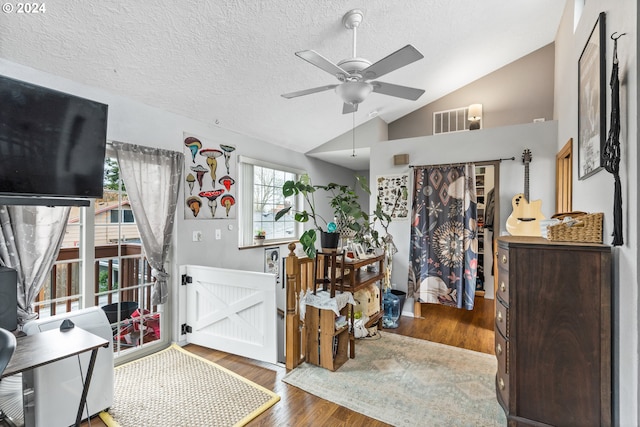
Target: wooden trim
417, 309
292, 353
564, 178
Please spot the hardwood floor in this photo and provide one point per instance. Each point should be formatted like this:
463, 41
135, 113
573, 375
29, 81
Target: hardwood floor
472, 330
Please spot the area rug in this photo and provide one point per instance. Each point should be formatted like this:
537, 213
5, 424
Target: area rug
177, 388
410, 382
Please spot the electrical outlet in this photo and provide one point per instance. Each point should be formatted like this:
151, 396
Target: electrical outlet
197, 236
218, 234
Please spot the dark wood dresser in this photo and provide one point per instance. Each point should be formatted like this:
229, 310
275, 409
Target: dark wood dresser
553, 332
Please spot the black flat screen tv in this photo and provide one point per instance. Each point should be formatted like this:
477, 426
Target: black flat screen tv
52, 144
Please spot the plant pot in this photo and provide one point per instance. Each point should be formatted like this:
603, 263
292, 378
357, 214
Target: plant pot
329, 240
258, 240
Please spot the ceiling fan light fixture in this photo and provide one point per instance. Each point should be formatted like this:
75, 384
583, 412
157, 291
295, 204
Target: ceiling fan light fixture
354, 73
354, 92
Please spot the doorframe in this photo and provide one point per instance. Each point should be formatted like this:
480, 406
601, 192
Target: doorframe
564, 178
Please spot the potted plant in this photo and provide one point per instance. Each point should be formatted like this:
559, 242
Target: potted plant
369, 235
259, 236
348, 214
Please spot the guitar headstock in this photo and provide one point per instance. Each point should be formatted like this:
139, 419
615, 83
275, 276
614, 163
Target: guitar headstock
526, 156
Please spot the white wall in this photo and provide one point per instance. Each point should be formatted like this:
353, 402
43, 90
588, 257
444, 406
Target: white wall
136, 123
473, 146
595, 194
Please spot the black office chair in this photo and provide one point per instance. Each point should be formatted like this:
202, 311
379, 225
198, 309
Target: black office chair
7, 347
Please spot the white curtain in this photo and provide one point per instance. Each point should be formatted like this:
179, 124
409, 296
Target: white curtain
30, 240
152, 179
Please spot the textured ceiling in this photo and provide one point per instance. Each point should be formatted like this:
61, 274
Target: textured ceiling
227, 61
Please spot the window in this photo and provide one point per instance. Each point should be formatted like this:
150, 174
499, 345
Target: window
121, 215
450, 121
102, 263
261, 198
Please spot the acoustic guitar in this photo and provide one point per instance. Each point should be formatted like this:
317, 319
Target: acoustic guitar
526, 216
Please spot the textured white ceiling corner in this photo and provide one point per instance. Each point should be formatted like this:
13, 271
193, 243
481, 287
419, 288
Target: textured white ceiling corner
230, 60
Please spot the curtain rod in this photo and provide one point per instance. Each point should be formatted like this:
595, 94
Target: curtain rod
461, 163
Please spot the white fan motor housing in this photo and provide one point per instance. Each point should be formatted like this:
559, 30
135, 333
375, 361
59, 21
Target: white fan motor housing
354, 65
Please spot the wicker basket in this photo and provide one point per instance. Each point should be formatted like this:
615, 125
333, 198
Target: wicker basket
587, 229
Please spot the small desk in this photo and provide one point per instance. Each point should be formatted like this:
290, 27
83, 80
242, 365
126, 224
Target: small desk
33, 351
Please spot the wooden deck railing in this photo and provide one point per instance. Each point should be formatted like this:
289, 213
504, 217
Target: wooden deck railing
62, 290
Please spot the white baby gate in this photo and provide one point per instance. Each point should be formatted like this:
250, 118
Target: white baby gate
232, 311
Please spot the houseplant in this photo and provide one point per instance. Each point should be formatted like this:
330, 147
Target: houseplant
259, 236
392, 300
348, 214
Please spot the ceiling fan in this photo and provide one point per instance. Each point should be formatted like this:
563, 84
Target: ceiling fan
355, 74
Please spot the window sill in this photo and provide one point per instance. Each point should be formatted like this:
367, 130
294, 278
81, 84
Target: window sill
270, 244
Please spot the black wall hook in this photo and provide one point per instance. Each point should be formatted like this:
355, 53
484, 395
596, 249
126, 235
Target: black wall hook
616, 38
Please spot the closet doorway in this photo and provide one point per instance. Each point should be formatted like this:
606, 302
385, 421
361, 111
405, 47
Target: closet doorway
488, 226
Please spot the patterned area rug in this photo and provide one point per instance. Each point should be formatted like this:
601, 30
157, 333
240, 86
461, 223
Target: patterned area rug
410, 382
177, 388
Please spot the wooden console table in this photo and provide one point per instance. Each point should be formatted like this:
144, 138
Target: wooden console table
33, 351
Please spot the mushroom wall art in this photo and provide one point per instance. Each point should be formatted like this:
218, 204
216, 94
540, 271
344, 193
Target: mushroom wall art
209, 181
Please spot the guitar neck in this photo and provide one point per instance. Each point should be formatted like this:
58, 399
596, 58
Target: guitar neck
526, 181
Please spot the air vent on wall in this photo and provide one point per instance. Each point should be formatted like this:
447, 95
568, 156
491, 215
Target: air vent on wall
450, 120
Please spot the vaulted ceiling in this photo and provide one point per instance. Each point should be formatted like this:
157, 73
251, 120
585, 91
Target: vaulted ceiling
227, 62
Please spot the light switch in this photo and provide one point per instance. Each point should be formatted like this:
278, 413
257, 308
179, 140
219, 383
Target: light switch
218, 234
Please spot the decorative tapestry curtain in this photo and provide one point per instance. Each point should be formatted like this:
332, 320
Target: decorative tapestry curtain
152, 179
30, 239
443, 257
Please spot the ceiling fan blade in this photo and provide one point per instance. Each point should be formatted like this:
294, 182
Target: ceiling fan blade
321, 62
397, 90
307, 91
349, 108
397, 59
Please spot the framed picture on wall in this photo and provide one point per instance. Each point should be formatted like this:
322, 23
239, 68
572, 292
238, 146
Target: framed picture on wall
592, 106
272, 262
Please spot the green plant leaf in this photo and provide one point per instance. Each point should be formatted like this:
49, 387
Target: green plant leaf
304, 188
362, 180
282, 212
302, 216
355, 226
308, 242
289, 188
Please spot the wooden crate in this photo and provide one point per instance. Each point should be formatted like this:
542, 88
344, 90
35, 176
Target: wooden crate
326, 346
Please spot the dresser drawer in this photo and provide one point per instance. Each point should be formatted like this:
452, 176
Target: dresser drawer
502, 387
503, 258
502, 352
502, 318
503, 284
502, 377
